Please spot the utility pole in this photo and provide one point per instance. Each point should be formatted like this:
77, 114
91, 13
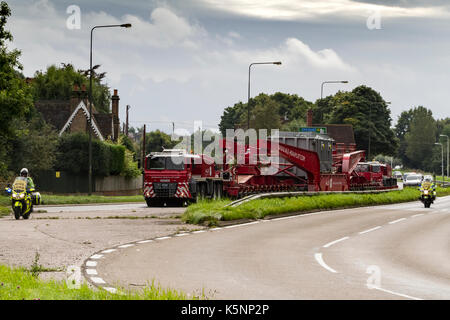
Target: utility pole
126, 126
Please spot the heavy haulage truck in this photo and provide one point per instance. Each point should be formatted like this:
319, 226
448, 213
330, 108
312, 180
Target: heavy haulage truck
305, 162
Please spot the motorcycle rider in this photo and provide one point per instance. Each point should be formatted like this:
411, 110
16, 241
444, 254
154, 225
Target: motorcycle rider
427, 184
24, 173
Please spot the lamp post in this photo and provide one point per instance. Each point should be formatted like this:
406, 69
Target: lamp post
125, 25
444, 135
321, 87
442, 157
248, 98
370, 120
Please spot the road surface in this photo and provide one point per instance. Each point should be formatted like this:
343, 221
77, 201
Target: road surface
400, 251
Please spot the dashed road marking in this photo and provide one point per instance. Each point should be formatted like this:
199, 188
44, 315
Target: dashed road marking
126, 246
92, 272
214, 229
181, 234
370, 230
91, 263
145, 241
96, 256
319, 259
110, 290
417, 215
199, 231
162, 238
395, 221
109, 251
98, 280
335, 241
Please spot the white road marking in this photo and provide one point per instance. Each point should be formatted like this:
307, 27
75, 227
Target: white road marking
96, 256
335, 241
97, 280
111, 290
145, 241
109, 251
181, 234
397, 294
125, 246
417, 215
214, 229
395, 221
91, 271
370, 230
248, 223
319, 259
162, 238
199, 231
91, 263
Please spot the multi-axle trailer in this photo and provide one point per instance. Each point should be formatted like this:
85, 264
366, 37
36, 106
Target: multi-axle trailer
269, 166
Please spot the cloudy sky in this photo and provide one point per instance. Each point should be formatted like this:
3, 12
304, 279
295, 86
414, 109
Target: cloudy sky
186, 60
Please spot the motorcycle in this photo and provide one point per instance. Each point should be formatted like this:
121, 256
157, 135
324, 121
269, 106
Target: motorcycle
427, 196
22, 198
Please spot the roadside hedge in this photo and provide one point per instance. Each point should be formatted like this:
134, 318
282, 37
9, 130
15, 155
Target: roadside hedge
73, 155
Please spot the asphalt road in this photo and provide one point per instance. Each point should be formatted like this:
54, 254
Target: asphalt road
402, 251
67, 235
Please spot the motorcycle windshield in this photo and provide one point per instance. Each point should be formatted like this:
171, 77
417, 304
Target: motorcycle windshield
20, 184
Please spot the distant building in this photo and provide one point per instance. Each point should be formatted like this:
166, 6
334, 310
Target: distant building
73, 115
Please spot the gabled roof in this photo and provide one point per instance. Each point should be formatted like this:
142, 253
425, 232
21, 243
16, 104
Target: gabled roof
83, 108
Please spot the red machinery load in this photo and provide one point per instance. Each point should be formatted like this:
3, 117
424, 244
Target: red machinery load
254, 169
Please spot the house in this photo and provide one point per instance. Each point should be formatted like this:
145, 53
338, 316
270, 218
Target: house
73, 115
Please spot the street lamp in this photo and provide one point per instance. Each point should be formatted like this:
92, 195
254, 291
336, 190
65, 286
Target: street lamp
248, 98
370, 120
125, 25
321, 87
442, 157
444, 135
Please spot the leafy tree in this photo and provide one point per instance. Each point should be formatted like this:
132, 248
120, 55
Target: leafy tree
157, 140
420, 138
57, 83
264, 114
15, 97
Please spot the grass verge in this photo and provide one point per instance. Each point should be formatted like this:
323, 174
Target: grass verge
75, 199
211, 212
20, 284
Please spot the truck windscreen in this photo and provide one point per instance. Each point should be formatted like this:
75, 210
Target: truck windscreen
165, 163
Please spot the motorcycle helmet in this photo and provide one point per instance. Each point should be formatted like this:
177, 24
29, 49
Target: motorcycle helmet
428, 179
24, 172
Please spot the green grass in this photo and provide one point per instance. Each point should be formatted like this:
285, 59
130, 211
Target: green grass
19, 284
4, 211
210, 212
78, 199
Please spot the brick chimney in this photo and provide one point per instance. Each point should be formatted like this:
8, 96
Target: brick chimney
309, 118
115, 113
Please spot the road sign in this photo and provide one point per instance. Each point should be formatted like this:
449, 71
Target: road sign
320, 130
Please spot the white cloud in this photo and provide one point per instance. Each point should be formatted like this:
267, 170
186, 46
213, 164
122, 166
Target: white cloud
311, 9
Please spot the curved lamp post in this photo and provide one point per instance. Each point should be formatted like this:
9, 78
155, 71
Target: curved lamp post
248, 98
125, 25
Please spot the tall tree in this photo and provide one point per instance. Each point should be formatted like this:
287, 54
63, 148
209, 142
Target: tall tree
16, 100
57, 83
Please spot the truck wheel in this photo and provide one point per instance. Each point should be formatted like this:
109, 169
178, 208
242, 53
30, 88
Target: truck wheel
152, 203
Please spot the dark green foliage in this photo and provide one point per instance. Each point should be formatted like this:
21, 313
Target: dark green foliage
73, 155
57, 83
156, 140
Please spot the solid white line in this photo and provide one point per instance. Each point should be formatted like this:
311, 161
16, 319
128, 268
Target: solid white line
369, 230
397, 294
398, 220
91, 271
214, 229
109, 251
125, 246
91, 263
335, 241
319, 259
162, 238
96, 256
181, 234
145, 241
97, 280
232, 226
199, 231
418, 215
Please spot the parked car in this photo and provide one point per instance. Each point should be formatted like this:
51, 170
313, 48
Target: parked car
413, 180
407, 174
397, 175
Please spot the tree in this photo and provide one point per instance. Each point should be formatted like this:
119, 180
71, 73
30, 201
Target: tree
367, 112
57, 83
157, 140
421, 138
15, 96
264, 114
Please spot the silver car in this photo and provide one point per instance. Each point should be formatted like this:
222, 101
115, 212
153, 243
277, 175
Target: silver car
412, 180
